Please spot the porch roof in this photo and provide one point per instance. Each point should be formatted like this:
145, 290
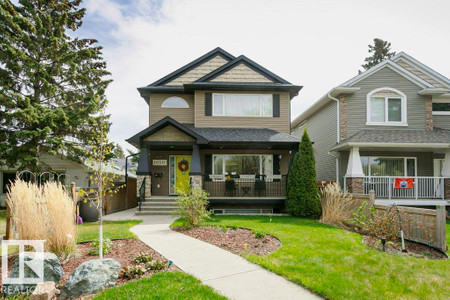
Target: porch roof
436, 138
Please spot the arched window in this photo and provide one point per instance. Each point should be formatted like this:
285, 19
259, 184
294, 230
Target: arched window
175, 102
386, 106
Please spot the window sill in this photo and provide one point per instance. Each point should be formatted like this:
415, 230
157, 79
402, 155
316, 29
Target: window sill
441, 113
386, 124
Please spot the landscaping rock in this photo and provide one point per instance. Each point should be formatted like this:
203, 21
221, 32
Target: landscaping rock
92, 276
52, 272
44, 291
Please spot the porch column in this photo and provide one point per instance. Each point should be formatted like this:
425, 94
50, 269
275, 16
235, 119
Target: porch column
446, 174
143, 172
354, 176
195, 173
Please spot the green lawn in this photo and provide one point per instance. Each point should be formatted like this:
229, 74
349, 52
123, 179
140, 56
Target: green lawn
111, 230
166, 285
2, 221
334, 263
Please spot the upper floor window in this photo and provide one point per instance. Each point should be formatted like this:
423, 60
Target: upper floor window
175, 102
386, 106
242, 105
441, 108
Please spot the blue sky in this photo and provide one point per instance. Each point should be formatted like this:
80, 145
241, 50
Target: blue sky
314, 43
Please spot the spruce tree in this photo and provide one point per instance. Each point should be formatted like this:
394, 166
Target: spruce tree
49, 81
303, 194
380, 51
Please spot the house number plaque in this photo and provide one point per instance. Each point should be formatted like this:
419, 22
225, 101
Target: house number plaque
160, 162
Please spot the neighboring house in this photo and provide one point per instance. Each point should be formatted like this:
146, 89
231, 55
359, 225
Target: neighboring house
389, 122
63, 170
222, 123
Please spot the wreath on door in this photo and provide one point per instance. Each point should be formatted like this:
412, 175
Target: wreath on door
183, 166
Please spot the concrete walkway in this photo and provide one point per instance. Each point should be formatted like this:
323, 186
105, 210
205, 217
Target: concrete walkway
229, 274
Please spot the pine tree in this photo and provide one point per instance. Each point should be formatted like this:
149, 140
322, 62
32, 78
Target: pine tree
48, 81
303, 194
380, 51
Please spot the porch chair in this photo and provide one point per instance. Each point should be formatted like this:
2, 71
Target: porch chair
230, 187
260, 187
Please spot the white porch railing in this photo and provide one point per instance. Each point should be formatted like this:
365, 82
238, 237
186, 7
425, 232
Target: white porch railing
423, 187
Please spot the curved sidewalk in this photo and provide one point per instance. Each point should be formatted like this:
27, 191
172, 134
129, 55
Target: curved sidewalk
229, 274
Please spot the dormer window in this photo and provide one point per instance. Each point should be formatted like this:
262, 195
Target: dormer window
386, 106
175, 102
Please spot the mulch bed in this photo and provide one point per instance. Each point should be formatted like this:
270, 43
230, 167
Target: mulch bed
413, 249
124, 251
238, 241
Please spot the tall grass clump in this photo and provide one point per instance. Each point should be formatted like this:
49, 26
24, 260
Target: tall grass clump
336, 205
43, 213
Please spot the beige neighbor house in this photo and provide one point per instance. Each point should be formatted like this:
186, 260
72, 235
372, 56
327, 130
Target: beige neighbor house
222, 123
387, 129
64, 170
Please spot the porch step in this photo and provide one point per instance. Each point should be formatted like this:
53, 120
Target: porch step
159, 203
159, 212
159, 208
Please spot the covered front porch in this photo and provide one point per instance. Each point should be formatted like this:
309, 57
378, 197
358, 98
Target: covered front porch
240, 168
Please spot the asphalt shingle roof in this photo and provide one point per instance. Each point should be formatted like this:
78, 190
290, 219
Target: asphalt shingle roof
242, 134
436, 135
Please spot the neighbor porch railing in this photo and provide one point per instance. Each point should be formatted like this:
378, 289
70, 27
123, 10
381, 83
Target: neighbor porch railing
422, 188
260, 186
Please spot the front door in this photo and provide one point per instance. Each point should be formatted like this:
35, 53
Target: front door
179, 174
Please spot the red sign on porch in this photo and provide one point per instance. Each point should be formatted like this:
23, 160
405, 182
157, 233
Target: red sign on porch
404, 183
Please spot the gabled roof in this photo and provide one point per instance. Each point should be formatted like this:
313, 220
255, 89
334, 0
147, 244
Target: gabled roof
249, 63
274, 82
423, 69
428, 87
138, 137
193, 64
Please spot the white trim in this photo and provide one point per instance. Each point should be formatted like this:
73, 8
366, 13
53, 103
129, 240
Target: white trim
441, 113
246, 116
405, 165
392, 145
425, 69
223, 162
394, 67
175, 97
404, 114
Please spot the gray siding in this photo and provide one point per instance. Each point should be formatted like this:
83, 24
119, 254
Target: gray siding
356, 103
322, 131
441, 122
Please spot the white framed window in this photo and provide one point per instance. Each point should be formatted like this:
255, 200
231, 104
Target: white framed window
389, 166
242, 105
441, 107
243, 164
175, 102
386, 106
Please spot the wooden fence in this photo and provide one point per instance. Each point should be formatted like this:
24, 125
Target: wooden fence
425, 226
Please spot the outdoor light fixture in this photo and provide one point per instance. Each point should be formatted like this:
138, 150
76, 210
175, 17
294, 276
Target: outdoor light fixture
383, 241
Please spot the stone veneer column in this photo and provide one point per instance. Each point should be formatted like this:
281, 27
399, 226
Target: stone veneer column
148, 184
354, 176
343, 116
446, 174
429, 113
196, 181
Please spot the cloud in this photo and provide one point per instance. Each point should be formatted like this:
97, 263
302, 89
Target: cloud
318, 43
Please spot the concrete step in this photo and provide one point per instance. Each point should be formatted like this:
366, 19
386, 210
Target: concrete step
158, 208
159, 203
148, 213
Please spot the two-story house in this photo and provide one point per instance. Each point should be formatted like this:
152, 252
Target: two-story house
222, 123
387, 129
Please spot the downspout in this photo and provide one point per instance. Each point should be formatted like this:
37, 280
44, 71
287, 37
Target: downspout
338, 135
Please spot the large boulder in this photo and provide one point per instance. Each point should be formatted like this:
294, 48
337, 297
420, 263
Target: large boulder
92, 276
52, 272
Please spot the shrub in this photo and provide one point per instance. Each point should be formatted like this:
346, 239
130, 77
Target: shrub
43, 213
156, 265
258, 235
143, 257
107, 245
336, 205
192, 207
303, 197
132, 272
